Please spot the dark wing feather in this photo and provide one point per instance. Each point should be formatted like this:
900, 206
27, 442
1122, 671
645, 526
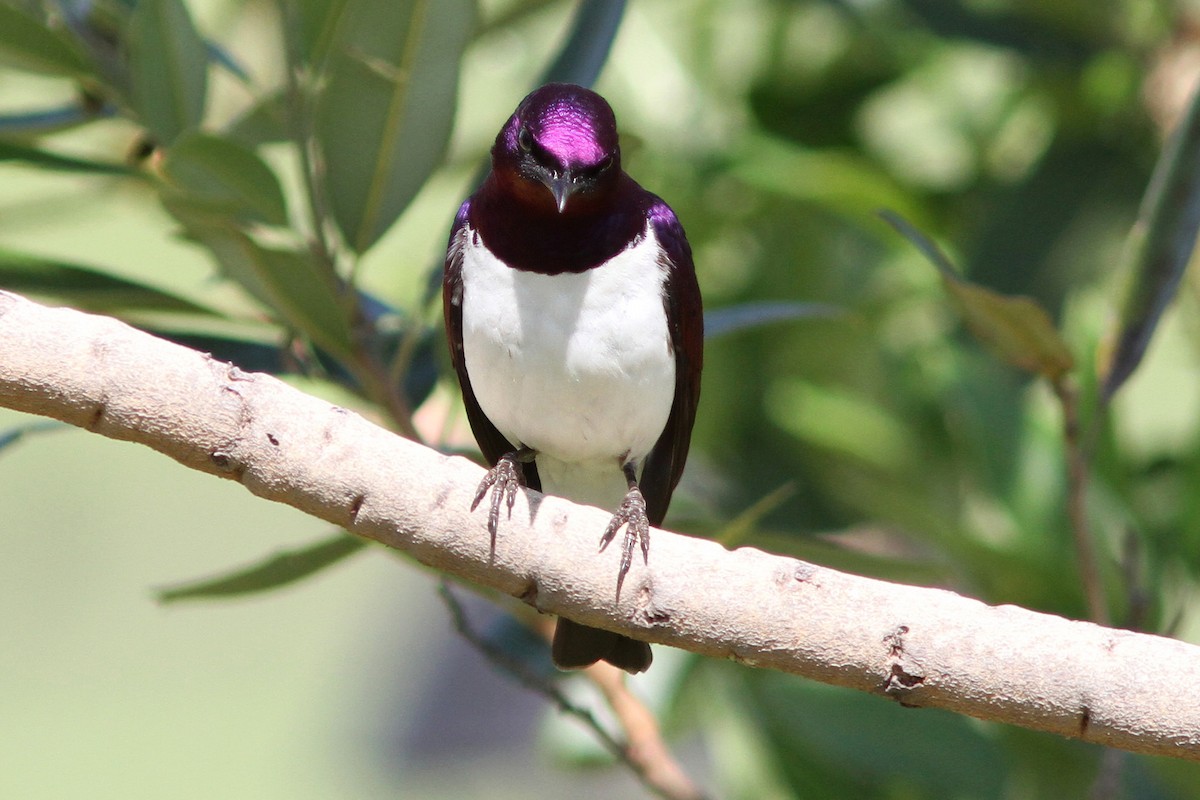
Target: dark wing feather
685, 319
491, 442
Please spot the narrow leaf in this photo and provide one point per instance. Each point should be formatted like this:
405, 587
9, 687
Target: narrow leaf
423, 371
262, 123
312, 25
168, 64
274, 572
27, 44
102, 30
829, 177
1159, 247
252, 356
45, 159
220, 175
304, 295
843, 421
385, 115
583, 54
732, 319
309, 300
744, 525
580, 58
15, 434
85, 287
223, 58
1016, 329
923, 243
51, 120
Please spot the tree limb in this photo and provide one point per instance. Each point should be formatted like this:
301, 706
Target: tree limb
920, 647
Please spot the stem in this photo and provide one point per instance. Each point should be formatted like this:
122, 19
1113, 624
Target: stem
629, 755
646, 745
1077, 474
372, 375
299, 118
380, 389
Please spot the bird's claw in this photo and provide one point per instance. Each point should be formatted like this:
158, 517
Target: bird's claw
503, 480
631, 514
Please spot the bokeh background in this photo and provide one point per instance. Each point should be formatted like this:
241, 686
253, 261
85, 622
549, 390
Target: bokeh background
847, 417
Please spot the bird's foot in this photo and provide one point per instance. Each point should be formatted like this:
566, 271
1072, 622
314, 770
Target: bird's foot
631, 514
503, 480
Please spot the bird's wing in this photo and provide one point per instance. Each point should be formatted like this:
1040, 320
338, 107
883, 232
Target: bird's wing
491, 442
685, 317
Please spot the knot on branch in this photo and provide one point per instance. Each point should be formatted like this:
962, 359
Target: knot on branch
905, 675
650, 613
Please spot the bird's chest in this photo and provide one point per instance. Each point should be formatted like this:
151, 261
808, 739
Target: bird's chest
576, 366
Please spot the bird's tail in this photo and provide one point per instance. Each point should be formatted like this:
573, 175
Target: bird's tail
577, 646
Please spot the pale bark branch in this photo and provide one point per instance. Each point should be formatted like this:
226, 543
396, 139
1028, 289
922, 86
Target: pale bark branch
921, 647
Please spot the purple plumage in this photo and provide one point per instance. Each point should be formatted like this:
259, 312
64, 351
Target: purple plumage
576, 332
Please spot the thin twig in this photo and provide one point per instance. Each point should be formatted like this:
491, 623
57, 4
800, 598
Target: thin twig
1077, 474
403, 358
525, 676
646, 745
1135, 586
299, 125
372, 375
536, 683
376, 384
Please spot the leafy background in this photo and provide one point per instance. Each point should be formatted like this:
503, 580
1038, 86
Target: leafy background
273, 183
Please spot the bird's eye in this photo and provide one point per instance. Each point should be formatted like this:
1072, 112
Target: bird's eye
525, 140
598, 169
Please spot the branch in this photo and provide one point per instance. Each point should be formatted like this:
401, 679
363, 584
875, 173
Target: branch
920, 647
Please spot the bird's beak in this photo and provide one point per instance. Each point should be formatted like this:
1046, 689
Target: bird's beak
562, 186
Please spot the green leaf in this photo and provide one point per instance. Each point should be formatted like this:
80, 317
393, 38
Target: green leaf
830, 738
27, 44
304, 294
313, 24
744, 525
881, 553
842, 420
224, 177
262, 123
47, 160
386, 111
101, 27
85, 287
840, 179
274, 572
1159, 247
1016, 329
168, 64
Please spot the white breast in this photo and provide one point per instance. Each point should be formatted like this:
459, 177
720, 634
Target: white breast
578, 367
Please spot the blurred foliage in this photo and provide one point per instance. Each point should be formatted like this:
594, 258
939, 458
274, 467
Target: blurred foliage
848, 416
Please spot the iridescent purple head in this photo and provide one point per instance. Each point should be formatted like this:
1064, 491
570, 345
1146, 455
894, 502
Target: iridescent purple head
562, 138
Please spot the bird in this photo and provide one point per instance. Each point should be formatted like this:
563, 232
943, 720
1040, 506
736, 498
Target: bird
575, 325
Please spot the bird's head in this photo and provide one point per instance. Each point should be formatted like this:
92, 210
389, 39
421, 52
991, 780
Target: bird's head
559, 150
